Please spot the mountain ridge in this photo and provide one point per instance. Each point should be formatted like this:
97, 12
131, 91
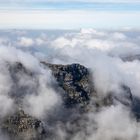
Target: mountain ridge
78, 90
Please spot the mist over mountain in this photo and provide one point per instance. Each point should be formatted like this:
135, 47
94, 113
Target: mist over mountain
69, 85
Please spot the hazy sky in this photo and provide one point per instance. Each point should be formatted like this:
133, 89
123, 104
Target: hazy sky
69, 14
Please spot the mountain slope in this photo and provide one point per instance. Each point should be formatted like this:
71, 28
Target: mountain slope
77, 92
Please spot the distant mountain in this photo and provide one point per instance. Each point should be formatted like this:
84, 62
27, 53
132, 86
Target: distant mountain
131, 57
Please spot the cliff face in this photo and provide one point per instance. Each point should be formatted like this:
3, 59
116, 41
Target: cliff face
21, 126
75, 80
76, 85
78, 89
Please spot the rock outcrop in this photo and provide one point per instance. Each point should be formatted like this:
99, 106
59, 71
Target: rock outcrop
21, 126
78, 90
76, 82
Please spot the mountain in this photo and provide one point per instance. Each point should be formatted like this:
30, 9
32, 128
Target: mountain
75, 85
75, 80
131, 57
22, 126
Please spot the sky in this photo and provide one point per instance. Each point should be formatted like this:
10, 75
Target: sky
69, 14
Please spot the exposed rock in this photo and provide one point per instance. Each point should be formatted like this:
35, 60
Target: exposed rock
21, 126
78, 90
125, 96
75, 80
136, 107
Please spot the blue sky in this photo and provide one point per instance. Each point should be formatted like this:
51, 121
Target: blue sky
69, 14
115, 5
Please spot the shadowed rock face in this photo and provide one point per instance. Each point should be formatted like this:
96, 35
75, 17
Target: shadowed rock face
75, 81
77, 90
17, 73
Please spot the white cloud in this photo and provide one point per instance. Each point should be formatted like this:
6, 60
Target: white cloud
92, 31
73, 19
35, 104
39, 105
25, 42
101, 51
40, 41
119, 36
115, 122
98, 50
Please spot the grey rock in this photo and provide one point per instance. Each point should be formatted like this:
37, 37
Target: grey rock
77, 90
75, 80
24, 127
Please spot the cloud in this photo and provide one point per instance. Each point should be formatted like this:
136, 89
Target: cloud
39, 105
113, 43
25, 84
101, 51
25, 42
4, 41
74, 19
29, 42
124, 128
119, 36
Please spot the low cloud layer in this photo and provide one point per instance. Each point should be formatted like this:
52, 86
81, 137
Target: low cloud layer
103, 52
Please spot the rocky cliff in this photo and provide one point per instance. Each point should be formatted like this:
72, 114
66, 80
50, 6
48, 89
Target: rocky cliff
77, 90
21, 126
